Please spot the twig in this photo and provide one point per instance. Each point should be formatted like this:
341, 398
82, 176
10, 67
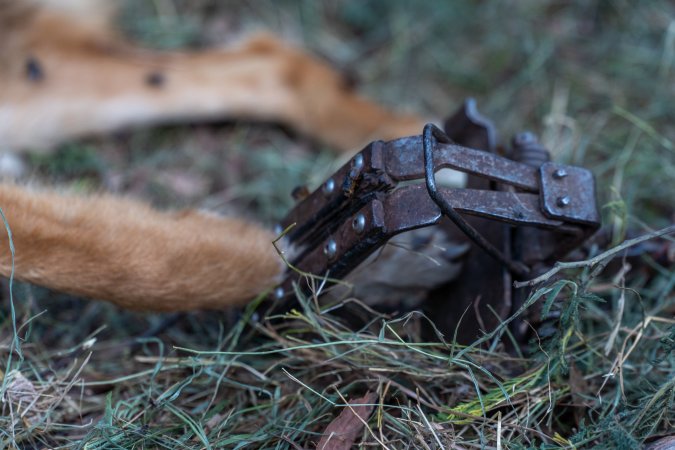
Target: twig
596, 259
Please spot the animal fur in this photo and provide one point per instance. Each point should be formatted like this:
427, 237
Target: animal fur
65, 72
124, 251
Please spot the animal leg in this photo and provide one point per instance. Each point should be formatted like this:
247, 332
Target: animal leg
63, 78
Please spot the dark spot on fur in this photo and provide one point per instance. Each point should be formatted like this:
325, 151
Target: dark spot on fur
292, 76
350, 79
155, 79
34, 70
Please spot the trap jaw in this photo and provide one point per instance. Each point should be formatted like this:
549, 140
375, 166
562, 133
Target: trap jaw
520, 214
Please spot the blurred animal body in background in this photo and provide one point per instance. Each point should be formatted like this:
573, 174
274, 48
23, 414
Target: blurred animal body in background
66, 72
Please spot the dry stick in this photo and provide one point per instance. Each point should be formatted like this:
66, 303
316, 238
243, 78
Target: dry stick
595, 260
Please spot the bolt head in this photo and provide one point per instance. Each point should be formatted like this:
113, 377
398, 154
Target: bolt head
330, 250
279, 293
359, 223
563, 201
358, 161
560, 173
524, 138
329, 186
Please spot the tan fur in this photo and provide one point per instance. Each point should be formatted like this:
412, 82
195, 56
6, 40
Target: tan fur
95, 82
125, 252
90, 80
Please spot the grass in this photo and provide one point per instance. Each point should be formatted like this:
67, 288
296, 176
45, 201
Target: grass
593, 79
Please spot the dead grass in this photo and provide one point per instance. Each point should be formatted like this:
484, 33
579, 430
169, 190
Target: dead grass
595, 80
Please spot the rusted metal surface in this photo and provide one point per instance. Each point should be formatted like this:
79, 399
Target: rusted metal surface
481, 296
410, 206
470, 128
568, 193
431, 136
405, 161
362, 206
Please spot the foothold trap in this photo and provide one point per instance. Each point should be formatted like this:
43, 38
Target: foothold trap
522, 211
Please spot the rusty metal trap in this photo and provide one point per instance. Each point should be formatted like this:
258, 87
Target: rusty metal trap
520, 213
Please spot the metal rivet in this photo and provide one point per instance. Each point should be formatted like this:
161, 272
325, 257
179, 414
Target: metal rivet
330, 250
560, 173
329, 186
358, 161
359, 223
563, 201
279, 293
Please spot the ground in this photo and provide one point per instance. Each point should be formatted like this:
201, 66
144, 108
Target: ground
594, 79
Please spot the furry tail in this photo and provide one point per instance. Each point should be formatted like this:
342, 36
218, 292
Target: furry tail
136, 257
